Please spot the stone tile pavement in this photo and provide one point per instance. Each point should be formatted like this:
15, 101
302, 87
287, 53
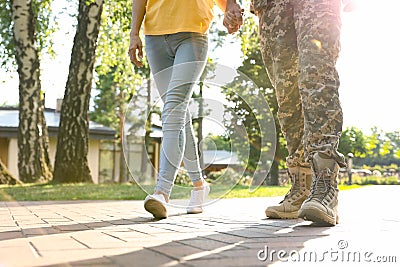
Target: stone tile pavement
231, 232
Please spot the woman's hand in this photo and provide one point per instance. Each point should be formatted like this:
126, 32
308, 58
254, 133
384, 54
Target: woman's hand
136, 50
233, 17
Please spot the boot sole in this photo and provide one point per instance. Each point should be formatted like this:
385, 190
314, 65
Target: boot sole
273, 214
156, 208
318, 216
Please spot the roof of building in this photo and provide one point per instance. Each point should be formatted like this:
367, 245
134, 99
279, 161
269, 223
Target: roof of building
9, 120
220, 157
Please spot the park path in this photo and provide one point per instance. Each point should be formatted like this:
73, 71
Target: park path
231, 232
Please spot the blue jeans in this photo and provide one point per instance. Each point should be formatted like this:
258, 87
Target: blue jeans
177, 62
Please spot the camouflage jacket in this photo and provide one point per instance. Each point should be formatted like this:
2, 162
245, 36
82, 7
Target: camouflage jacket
257, 5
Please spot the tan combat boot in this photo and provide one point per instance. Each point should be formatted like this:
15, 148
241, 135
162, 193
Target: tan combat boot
321, 205
289, 207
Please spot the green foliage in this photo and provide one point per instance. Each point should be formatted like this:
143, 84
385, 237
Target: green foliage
6, 35
183, 178
373, 142
117, 79
374, 180
89, 2
394, 138
382, 148
217, 142
114, 45
45, 26
216, 35
378, 148
253, 67
228, 177
383, 169
105, 109
353, 141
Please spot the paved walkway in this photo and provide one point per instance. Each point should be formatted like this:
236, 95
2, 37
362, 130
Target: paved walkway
231, 232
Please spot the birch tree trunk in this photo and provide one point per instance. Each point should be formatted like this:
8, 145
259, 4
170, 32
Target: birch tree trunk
32, 164
6, 177
45, 135
71, 163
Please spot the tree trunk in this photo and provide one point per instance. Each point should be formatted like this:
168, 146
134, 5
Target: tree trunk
71, 163
6, 177
45, 135
32, 165
122, 164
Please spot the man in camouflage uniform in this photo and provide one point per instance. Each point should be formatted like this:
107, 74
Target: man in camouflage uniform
300, 42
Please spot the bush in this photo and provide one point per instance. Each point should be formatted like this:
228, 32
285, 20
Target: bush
375, 180
228, 176
183, 178
392, 180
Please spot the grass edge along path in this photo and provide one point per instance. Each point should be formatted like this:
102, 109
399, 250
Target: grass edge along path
80, 191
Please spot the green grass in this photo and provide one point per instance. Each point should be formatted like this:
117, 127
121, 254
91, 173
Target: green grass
79, 191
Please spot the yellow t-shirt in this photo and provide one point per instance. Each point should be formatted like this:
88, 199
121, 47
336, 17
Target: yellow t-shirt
172, 16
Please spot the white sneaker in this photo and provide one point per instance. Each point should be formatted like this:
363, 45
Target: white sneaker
197, 198
155, 204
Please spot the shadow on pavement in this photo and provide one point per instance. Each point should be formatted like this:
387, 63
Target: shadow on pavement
220, 242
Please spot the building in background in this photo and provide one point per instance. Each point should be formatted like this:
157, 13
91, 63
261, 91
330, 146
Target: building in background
104, 155
98, 136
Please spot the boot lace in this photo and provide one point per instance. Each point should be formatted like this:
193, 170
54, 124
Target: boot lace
294, 190
321, 186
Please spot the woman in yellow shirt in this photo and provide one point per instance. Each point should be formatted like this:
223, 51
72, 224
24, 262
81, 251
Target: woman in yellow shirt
176, 48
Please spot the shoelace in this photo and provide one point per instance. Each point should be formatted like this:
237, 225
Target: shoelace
321, 185
295, 189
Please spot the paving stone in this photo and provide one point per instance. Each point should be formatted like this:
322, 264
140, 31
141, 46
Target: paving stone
183, 252
72, 227
121, 233
76, 257
225, 237
128, 235
16, 256
101, 262
98, 239
146, 258
96, 263
56, 243
40, 231
4, 229
227, 262
97, 224
6, 235
203, 243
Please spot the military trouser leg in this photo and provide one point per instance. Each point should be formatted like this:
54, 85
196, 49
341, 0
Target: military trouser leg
318, 27
300, 43
280, 56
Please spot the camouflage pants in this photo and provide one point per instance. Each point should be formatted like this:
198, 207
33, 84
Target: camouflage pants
300, 43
